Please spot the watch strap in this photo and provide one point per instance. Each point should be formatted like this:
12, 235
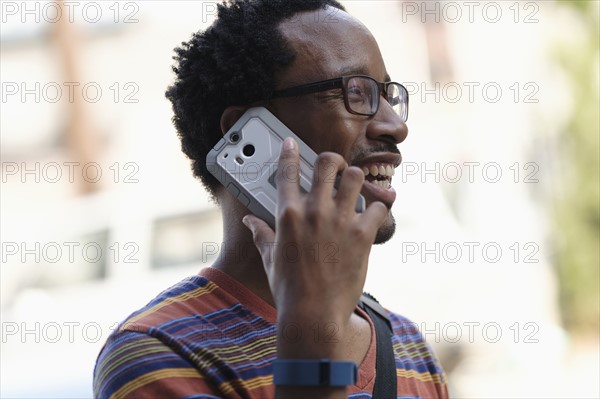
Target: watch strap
314, 372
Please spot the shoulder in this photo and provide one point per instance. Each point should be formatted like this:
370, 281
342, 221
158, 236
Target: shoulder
193, 337
139, 358
189, 296
136, 365
415, 358
404, 328
410, 342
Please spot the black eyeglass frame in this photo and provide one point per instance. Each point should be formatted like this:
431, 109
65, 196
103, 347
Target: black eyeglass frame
342, 83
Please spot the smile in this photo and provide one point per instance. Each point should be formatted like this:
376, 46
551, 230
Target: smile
379, 174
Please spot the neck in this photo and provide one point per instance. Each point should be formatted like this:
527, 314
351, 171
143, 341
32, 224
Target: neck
239, 257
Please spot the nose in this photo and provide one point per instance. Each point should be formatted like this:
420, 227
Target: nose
387, 125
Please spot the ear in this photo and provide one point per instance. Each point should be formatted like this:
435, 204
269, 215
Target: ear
230, 116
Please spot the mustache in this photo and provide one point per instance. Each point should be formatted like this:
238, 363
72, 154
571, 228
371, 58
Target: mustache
366, 152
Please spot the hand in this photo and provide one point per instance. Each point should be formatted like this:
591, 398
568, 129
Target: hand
316, 261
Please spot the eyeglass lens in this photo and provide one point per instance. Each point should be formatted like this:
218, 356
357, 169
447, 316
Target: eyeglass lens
398, 99
363, 96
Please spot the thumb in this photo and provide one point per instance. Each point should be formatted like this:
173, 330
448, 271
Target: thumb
263, 235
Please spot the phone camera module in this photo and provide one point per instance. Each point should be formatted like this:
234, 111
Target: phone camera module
248, 150
234, 138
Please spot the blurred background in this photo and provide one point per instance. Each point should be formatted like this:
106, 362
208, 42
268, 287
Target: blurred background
496, 255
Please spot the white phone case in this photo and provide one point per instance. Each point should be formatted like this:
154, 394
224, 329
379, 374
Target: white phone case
245, 161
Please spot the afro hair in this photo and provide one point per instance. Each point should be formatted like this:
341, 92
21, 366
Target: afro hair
233, 62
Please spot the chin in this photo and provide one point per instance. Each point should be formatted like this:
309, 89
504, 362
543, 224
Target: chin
386, 231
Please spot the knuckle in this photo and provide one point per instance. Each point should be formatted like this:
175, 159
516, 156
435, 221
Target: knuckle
354, 174
288, 173
327, 166
323, 163
289, 214
315, 214
381, 209
361, 233
328, 158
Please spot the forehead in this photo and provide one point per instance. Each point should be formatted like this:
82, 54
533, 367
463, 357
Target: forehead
329, 43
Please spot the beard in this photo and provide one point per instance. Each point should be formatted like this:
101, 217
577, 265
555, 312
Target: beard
386, 231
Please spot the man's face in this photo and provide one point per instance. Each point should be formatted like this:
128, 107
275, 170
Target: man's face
330, 44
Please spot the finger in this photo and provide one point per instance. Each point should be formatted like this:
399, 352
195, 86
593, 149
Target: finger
373, 216
327, 167
263, 236
288, 172
349, 188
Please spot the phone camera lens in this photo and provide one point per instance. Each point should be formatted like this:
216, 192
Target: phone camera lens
248, 150
235, 137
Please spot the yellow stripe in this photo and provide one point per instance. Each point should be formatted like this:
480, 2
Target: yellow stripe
409, 345
151, 377
116, 359
248, 353
248, 347
403, 350
252, 383
198, 292
425, 377
254, 356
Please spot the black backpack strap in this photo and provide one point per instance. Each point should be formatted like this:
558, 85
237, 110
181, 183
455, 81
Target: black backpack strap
385, 365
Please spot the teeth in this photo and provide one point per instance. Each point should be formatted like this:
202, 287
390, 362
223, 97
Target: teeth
379, 170
382, 183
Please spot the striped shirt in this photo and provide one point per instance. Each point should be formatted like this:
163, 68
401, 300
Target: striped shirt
209, 336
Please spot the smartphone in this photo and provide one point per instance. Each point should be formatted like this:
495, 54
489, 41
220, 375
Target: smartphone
245, 161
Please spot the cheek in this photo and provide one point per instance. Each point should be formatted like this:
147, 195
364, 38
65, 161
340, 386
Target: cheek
339, 136
331, 133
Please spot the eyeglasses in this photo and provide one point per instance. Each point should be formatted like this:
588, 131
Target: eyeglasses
361, 94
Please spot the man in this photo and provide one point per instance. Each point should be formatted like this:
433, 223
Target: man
222, 333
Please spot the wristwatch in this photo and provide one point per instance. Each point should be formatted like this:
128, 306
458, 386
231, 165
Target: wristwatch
314, 372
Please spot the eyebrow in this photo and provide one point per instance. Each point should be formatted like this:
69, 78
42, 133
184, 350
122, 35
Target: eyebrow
358, 70
352, 70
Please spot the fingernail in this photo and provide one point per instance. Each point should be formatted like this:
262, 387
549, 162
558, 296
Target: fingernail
289, 144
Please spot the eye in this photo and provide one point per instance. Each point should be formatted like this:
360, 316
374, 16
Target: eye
355, 89
356, 92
